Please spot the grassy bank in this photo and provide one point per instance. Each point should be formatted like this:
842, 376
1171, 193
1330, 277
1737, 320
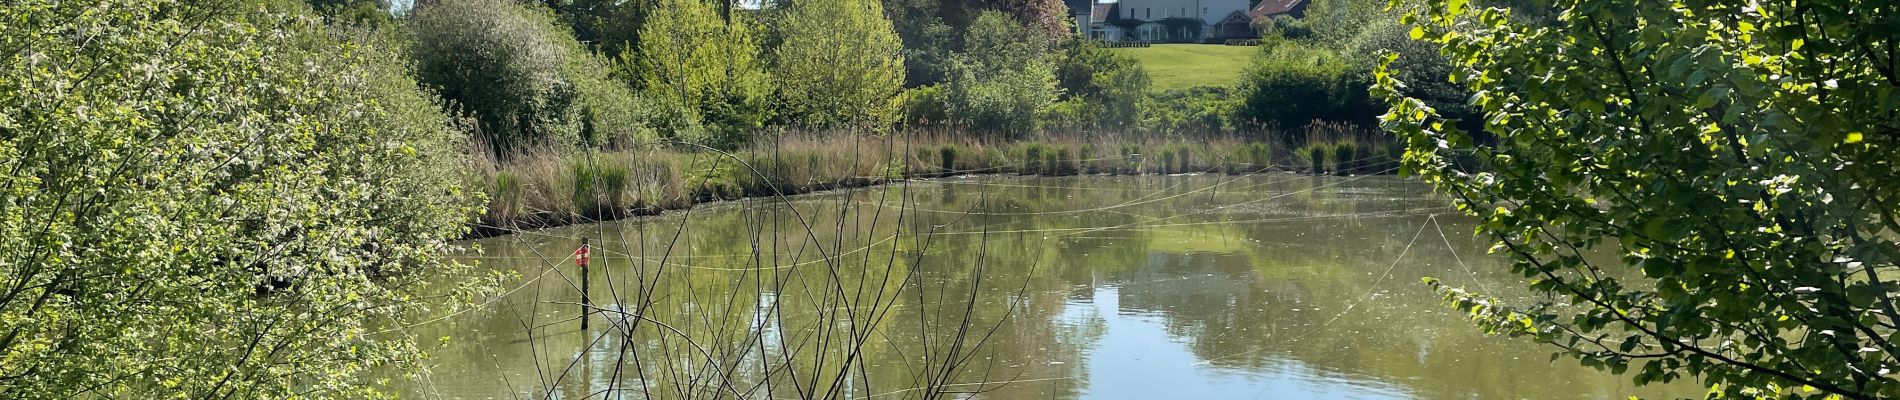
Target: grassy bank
545, 188
1180, 66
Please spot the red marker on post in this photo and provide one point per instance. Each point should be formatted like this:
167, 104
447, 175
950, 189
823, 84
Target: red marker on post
580, 260
580, 255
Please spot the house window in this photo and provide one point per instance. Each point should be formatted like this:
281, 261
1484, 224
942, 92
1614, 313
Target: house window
1148, 13
1203, 10
1184, 11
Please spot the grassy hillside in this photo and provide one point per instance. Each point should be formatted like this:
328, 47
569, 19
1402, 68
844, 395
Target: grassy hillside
1188, 65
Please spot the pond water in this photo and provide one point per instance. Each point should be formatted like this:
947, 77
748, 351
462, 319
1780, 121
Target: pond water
1271, 286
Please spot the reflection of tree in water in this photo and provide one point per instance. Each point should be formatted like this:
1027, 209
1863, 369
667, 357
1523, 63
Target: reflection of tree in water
1248, 272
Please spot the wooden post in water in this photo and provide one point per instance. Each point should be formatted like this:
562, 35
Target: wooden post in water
587, 305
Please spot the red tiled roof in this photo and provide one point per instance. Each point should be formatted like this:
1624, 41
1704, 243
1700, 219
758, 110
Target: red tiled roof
1102, 13
1274, 7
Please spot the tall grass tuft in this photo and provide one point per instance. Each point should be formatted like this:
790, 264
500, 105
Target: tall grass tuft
1249, 157
1345, 157
1167, 160
1130, 162
505, 197
947, 157
1086, 162
1316, 156
1033, 158
1063, 162
600, 186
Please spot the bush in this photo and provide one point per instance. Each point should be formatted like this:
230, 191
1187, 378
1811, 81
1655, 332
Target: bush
1003, 80
714, 179
1295, 83
525, 79
1167, 160
215, 176
922, 106
1184, 158
1131, 158
506, 197
1085, 160
1200, 109
1109, 85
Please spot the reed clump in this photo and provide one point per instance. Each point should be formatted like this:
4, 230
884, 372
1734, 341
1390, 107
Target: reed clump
1345, 157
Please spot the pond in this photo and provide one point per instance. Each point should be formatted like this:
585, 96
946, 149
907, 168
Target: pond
1002, 287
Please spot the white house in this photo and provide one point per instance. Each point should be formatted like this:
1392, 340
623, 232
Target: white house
1174, 20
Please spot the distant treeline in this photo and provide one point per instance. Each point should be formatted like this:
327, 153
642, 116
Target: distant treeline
611, 74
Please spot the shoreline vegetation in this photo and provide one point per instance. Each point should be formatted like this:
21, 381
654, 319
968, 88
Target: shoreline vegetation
545, 188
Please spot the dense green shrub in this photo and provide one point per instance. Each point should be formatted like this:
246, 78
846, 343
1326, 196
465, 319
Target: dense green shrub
716, 179
1131, 158
1003, 80
525, 79
1419, 65
922, 106
1184, 158
1288, 27
1085, 160
1200, 109
1295, 83
1108, 86
208, 199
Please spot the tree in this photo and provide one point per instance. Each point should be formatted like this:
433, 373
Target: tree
207, 199
1110, 85
525, 79
928, 40
607, 26
361, 12
840, 63
1050, 18
1003, 79
702, 70
1737, 160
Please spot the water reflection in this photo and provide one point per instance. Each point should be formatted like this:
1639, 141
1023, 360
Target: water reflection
1263, 286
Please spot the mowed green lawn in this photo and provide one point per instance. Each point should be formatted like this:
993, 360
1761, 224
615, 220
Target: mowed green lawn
1174, 66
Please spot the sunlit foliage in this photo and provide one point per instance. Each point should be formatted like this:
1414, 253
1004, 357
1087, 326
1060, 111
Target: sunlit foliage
1705, 189
840, 62
212, 199
704, 73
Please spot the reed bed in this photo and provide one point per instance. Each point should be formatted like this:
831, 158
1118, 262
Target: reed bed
543, 188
